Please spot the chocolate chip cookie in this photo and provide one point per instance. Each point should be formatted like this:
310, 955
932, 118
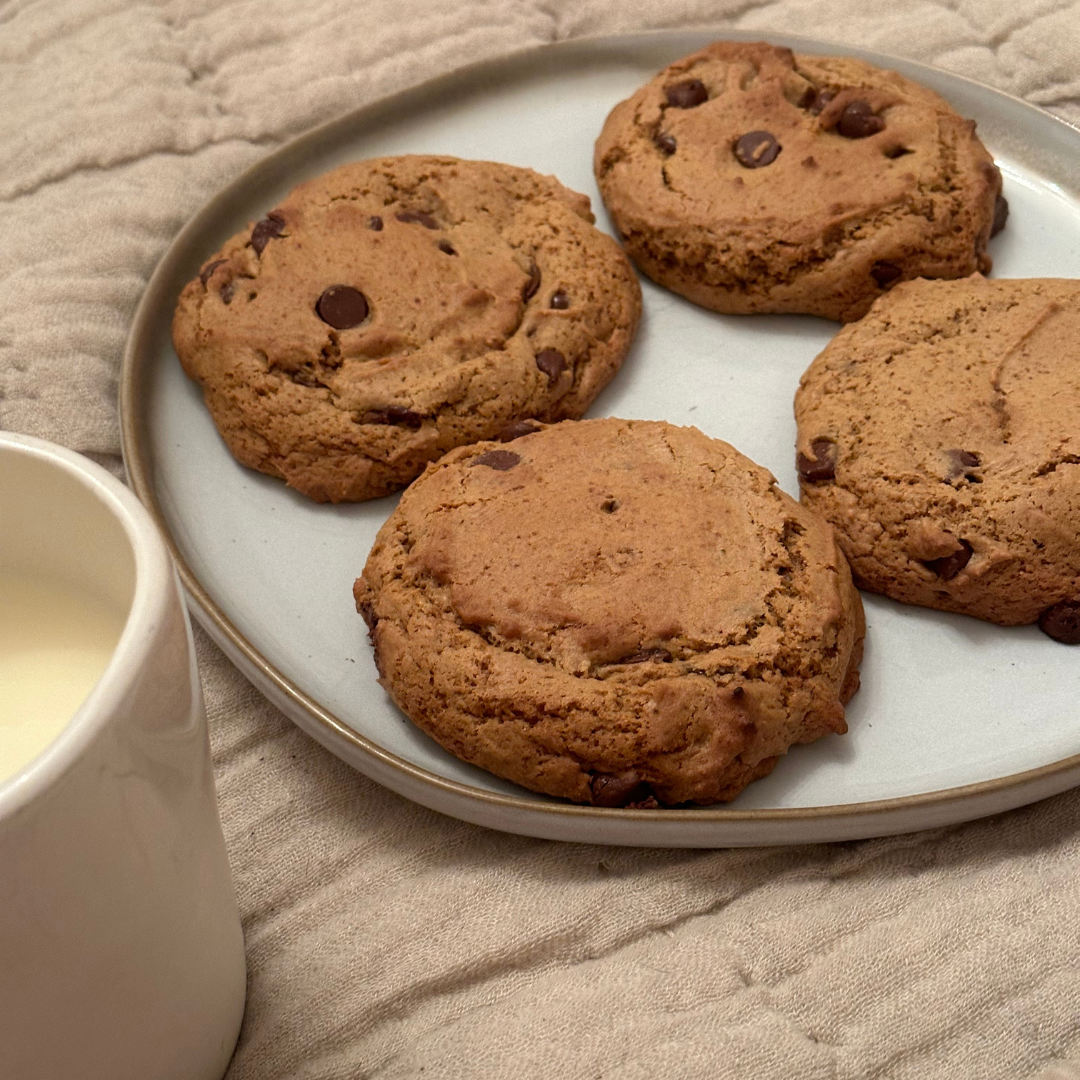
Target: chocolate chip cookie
941, 437
751, 179
615, 612
393, 309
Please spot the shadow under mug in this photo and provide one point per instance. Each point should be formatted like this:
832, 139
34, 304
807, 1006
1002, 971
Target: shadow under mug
121, 952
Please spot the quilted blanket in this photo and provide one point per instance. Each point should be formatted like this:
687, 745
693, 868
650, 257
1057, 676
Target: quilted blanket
384, 939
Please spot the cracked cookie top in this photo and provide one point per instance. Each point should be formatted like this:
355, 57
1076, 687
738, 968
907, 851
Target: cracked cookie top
612, 611
941, 437
752, 179
392, 309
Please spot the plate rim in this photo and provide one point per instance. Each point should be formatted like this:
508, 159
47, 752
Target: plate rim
330, 730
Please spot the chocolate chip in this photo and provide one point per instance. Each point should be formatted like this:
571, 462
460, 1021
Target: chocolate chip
858, 120
207, 271
665, 142
446, 249
342, 307
646, 656
1061, 621
618, 789
551, 362
687, 94
948, 567
518, 428
529, 290
822, 466
756, 149
609, 506
417, 217
961, 462
820, 100
885, 274
227, 291
269, 228
501, 460
375, 223
560, 301
644, 804
393, 414
1001, 215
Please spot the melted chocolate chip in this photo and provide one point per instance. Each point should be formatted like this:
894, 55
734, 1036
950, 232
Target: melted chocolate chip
756, 149
501, 460
227, 291
858, 120
1061, 621
446, 248
560, 301
517, 429
687, 94
269, 228
393, 414
530, 287
417, 217
207, 271
822, 466
342, 307
1001, 215
948, 567
618, 789
820, 100
665, 142
552, 363
375, 223
886, 274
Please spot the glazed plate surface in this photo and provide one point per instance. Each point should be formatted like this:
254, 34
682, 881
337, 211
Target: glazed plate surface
956, 719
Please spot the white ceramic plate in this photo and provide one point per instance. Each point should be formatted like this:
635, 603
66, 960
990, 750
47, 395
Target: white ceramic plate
955, 719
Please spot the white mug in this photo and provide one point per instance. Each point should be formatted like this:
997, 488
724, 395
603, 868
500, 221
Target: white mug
121, 953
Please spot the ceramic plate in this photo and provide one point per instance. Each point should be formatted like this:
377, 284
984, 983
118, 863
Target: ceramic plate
955, 719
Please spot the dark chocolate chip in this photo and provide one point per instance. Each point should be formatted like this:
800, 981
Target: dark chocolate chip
417, 217
823, 464
560, 301
618, 789
530, 287
961, 461
820, 100
646, 656
948, 567
446, 248
207, 271
858, 120
1061, 621
518, 428
687, 94
393, 414
886, 274
227, 291
665, 142
1001, 215
342, 307
756, 149
375, 223
269, 228
552, 363
501, 460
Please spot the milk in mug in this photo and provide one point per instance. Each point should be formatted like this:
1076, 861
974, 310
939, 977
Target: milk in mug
55, 642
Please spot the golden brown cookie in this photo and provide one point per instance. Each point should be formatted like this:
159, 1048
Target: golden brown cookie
615, 612
751, 179
941, 437
396, 308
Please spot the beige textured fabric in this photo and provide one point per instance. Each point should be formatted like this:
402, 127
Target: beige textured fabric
384, 940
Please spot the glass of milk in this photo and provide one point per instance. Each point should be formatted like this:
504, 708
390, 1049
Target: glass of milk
121, 954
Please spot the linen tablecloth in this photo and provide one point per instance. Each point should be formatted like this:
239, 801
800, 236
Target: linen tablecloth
383, 939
